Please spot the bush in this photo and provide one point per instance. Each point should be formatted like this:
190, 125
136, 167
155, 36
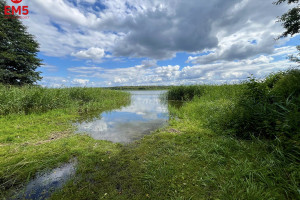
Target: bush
270, 108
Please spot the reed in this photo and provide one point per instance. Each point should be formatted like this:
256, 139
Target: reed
35, 99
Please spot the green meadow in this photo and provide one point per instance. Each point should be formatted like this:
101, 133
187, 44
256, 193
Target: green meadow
225, 142
36, 131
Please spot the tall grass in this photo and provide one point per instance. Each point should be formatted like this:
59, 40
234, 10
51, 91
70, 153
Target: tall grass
32, 99
266, 109
265, 114
269, 109
186, 93
211, 107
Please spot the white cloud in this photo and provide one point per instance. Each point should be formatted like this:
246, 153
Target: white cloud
61, 82
89, 1
50, 68
284, 51
241, 45
54, 81
80, 82
221, 72
92, 53
239, 36
156, 29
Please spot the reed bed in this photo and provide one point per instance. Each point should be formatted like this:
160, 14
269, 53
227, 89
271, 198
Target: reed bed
35, 99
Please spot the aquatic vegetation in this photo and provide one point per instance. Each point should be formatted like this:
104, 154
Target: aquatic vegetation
35, 99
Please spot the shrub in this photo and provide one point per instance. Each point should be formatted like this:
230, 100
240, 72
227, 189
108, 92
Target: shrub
270, 108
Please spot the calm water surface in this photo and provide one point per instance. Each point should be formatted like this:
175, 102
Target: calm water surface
44, 184
146, 113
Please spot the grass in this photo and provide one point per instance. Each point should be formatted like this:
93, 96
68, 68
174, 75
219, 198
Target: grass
35, 99
192, 158
183, 165
186, 93
189, 160
43, 138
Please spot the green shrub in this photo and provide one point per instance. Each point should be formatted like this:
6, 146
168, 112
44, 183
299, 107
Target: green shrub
270, 108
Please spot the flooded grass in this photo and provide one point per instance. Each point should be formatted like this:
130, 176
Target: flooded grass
42, 140
44, 184
188, 159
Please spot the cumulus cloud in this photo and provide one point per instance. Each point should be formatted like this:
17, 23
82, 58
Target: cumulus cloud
136, 75
54, 81
92, 53
221, 72
156, 29
225, 40
61, 82
238, 47
80, 82
211, 73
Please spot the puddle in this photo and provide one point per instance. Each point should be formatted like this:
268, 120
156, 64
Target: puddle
45, 184
147, 112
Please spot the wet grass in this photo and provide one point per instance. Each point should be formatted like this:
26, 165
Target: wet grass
189, 160
192, 158
43, 138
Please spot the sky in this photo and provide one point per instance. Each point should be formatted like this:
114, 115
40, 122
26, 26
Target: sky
103, 43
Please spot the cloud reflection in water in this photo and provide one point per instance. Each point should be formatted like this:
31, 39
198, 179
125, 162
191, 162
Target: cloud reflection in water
145, 113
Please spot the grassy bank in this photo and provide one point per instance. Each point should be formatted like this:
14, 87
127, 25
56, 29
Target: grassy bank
196, 157
36, 130
34, 99
202, 154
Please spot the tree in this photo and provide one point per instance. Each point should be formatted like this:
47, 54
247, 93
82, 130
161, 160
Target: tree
291, 19
18, 52
291, 22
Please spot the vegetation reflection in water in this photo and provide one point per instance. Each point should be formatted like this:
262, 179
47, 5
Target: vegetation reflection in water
147, 112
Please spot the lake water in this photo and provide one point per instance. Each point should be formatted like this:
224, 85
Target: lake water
146, 113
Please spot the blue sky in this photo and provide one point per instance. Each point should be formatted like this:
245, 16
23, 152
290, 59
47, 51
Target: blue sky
157, 42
